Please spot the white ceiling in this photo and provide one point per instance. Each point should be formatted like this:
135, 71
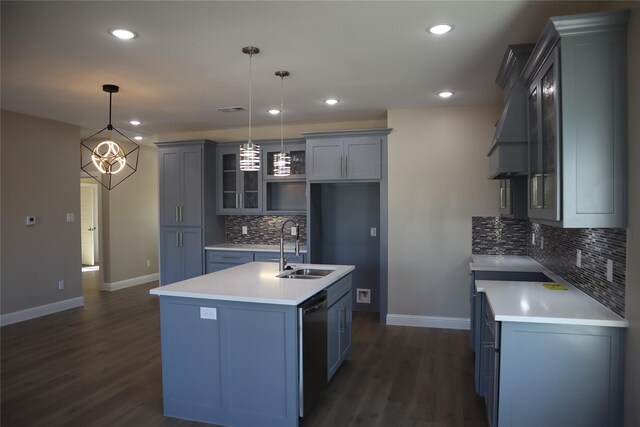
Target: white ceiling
187, 60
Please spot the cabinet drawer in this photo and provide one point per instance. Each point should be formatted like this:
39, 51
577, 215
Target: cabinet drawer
338, 289
275, 257
229, 257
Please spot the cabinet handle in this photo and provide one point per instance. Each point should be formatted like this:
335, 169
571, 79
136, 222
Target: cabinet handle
177, 214
503, 201
346, 166
241, 201
343, 318
341, 166
237, 195
181, 239
177, 239
180, 213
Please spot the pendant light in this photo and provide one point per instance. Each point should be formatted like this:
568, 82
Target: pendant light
109, 160
250, 152
282, 160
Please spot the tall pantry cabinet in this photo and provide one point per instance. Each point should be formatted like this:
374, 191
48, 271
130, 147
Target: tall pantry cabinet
187, 207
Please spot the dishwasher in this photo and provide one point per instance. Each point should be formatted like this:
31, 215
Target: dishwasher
312, 337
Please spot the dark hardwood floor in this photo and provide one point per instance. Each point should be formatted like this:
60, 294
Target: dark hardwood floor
100, 366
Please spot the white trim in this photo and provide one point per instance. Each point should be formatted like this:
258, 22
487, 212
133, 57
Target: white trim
129, 282
41, 310
429, 321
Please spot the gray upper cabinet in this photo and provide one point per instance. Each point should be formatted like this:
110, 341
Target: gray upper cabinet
238, 192
577, 122
348, 155
181, 180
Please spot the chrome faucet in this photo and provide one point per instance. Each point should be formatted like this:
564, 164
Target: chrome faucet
283, 262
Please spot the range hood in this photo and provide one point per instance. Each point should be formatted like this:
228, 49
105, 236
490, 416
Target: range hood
508, 153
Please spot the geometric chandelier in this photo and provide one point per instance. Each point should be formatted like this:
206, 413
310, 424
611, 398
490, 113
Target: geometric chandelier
107, 157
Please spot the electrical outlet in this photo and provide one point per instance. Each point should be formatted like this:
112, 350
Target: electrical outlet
61, 285
533, 240
373, 232
579, 258
148, 263
71, 217
210, 313
610, 270
363, 296
294, 231
244, 229
541, 242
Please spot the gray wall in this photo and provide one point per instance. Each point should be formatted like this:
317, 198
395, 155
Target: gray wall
437, 182
40, 177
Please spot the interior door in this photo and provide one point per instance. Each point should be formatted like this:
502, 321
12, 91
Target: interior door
87, 225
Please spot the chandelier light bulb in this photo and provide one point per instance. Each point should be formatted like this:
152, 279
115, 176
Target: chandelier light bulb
108, 157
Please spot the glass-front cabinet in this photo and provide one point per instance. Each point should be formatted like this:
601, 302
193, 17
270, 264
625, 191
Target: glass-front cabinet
239, 192
285, 195
544, 141
297, 151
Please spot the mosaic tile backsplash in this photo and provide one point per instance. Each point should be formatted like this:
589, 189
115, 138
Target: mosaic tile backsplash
555, 248
262, 229
499, 236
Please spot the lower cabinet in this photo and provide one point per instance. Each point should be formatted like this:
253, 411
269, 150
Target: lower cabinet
217, 260
339, 320
220, 260
180, 253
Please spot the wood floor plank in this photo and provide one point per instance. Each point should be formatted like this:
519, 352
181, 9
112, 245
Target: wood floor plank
100, 365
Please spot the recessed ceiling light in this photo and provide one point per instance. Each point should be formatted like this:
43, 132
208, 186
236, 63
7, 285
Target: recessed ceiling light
123, 34
274, 111
445, 94
137, 138
331, 101
440, 29
135, 122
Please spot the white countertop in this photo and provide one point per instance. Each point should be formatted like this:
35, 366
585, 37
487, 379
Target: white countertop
504, 263
254, 282
288, 247
532, 302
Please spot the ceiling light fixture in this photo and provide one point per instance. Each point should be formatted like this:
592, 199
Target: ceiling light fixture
445, 94
135, 122
274, 111
250, 152
331, 101
282, 160
137, 138
123, 34
440, 29
107, 161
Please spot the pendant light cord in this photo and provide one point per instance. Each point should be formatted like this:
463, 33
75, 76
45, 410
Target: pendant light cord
250, 57
281, 114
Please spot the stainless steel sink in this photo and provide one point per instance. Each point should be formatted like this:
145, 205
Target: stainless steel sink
305, 273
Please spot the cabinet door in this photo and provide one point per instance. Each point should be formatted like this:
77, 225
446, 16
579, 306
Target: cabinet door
333, 339
325, 160
250, 197
192, 252
297, 152
228, 196
362, 157
345, 326
192, 179
170, 186
544, 142
170, 256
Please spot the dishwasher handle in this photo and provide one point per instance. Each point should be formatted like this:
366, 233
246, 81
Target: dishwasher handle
318, 304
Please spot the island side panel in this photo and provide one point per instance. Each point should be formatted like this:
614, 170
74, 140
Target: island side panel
573, 374
239, 369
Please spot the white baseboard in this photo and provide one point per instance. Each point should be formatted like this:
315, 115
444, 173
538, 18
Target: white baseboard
41, 310
129, 282
429, 321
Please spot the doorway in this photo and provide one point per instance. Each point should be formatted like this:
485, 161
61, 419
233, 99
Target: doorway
89, 225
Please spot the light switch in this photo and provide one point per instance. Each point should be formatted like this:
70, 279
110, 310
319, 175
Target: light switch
244, 229
610, 270
71, 217
541, 242
579, 258
294, 231
210, 313
373, 232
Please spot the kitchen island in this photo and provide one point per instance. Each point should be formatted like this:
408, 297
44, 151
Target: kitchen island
230, 343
